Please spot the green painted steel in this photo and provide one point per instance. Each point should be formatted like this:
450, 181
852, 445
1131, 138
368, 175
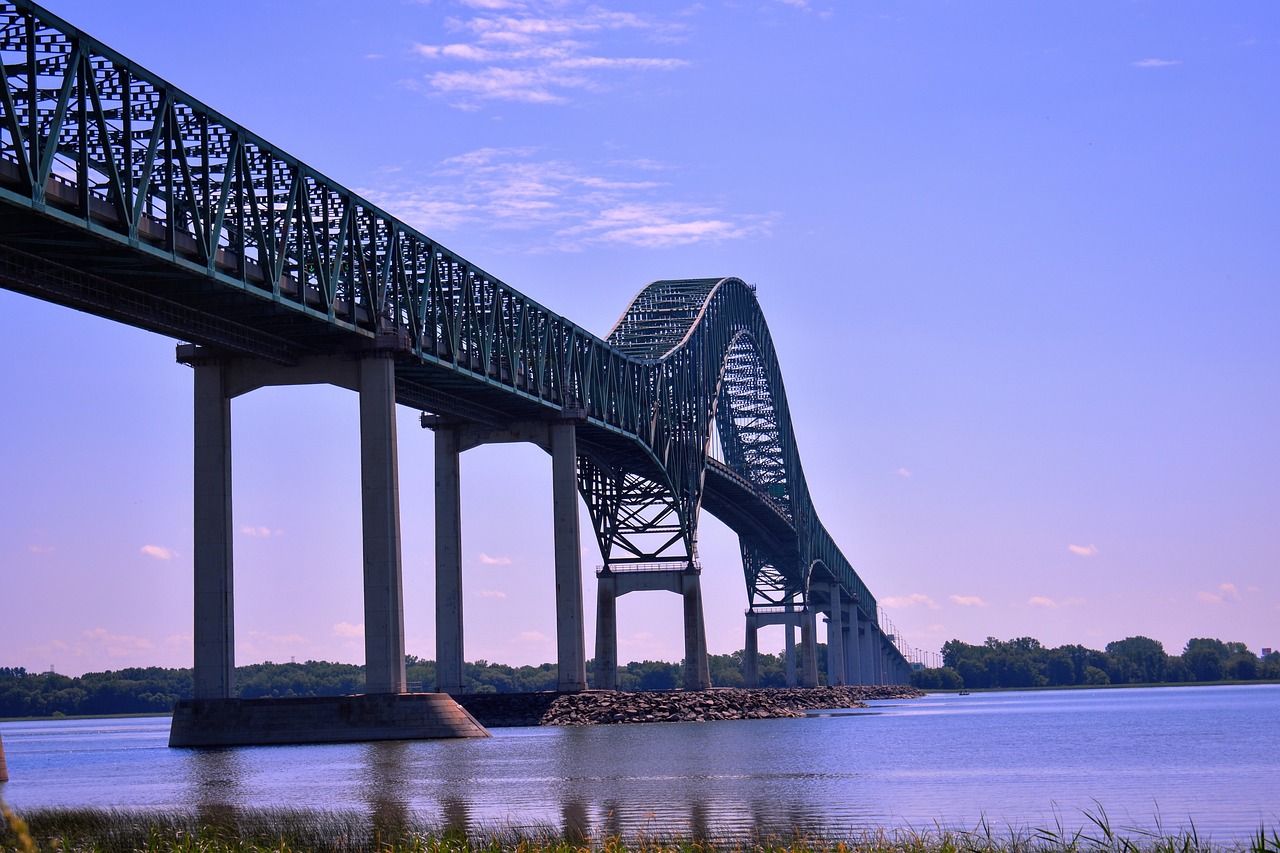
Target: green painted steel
122, 195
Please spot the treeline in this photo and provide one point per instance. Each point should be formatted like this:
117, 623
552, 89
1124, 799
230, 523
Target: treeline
1024, 662
154, 690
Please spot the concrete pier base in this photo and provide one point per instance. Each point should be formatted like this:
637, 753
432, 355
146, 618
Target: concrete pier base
320, 719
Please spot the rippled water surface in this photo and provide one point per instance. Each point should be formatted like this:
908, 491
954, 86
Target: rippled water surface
1173, 756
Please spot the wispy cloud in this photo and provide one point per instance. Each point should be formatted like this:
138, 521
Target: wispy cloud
1083, 550
1225, 592
542, 52
916, 599
158, 552
113, 644
1050, 604
346, 629
560, 205
40, 549
904, 472
1155, 63
260, 532
492, 593
495, 561
968, 600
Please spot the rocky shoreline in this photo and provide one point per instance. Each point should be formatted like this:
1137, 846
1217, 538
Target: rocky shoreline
603, 707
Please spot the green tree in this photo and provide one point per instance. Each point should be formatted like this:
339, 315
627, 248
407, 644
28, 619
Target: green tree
1144, 656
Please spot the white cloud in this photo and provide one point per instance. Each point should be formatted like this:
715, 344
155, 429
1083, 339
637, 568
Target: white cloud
968, 600
1050, 604
495, 561
541, 53
40, 549
1225, 592
904, 472
561, 205
115, 645
346, 629
1083, 550
260, 532
158, 552
1156, 63
916, 599
492, 593
533, 636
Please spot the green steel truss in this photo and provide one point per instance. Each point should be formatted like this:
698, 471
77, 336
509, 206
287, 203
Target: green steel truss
123, 196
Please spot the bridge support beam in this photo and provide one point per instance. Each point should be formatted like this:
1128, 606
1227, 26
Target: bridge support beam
697, 670
448, 561
570, 628
380, 511
559, 438
789, 649
751, 652
835, 638
852, 661
606, 675
867, 643
685, 581
809, 642
213, 672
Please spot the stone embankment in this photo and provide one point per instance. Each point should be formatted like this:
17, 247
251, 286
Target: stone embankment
600, 707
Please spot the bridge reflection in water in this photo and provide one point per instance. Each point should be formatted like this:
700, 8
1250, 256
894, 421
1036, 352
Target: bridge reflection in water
387, 788
122, 196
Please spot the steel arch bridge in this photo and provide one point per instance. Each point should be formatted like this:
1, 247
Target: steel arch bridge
125, 197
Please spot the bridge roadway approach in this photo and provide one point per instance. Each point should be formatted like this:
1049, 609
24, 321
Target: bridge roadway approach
124, 197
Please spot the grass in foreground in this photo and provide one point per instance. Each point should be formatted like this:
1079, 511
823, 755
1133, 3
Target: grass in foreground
285, 831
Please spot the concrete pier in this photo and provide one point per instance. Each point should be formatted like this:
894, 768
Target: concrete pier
684, 580
557, 436
448, 561
570, 623
320, 719
380, 515
751, 652
214, 665
217, 716
4, 768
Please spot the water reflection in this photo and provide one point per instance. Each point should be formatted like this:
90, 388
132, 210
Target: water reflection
385, 786
1013, 760
215, 785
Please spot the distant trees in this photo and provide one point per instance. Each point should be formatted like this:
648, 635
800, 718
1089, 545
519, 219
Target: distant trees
1024, 662
1021, 662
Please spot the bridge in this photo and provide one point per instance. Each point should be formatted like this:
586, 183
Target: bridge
122, 196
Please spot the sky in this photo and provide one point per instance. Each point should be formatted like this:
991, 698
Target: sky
1020, 263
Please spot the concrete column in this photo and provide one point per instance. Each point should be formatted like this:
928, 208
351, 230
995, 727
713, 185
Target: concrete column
4, 768
214, 668
751, 653
570, 636
697, 670
835, 638
808, 637
789, 650
877, 653
867, 643
380, 509
449, 676
606, 632
852, 661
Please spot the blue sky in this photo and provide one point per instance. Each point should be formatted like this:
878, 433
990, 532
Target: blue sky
1019, 261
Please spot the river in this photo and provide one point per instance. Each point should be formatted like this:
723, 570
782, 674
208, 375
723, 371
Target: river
1168, 757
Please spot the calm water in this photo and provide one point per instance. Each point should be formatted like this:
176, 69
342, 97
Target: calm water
1174, 755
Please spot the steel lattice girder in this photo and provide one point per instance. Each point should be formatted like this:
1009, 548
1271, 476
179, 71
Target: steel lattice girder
162, 198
